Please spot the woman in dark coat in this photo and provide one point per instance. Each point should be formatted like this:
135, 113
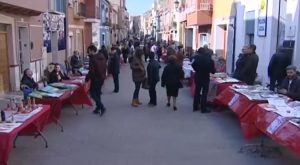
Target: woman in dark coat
138, 75
171, 79
57, 75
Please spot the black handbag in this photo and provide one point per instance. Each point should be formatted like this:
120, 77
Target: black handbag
145, 84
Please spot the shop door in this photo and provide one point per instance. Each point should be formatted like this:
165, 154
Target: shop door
4, 67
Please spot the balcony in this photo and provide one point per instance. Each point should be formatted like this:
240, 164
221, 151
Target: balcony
201, 14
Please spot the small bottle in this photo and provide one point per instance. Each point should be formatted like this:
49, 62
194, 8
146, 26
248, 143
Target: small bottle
3, 116
29, 103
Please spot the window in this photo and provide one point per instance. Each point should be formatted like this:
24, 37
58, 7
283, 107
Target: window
57, 5
204, 39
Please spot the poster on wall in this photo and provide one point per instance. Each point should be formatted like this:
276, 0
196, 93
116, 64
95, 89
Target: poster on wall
53, 23
262, 18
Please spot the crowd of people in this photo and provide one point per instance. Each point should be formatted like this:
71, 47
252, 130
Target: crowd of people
103, 62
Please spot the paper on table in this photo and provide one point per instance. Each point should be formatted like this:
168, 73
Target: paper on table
276, 102
275, 124
8, 127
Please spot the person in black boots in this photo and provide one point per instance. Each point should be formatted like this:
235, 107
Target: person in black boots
153, 78
96, 75
114, 67
203, 66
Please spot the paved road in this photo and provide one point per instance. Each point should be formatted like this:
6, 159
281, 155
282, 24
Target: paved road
142, 136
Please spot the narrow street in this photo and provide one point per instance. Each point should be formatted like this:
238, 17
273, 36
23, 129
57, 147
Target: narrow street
142, 136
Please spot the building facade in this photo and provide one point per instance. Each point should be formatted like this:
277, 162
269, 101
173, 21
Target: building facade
92, 23
21, 40
105, 22
75, 15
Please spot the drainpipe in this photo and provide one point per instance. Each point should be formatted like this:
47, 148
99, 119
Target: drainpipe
67, 29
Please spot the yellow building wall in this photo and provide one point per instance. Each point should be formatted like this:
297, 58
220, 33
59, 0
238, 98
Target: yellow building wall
223, 8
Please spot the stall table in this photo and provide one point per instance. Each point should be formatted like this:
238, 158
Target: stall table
32, 126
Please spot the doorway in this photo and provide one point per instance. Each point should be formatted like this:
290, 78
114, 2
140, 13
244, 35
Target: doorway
54, 46
4, 71
24, 48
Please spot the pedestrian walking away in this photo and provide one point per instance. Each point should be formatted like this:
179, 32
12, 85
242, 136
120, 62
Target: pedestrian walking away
171, 79
138, 75
153, 78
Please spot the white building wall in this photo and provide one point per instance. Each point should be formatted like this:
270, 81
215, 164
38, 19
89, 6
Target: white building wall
292, 30
266, 46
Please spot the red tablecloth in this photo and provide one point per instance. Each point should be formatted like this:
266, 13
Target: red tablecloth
75, 97
225, 96
243, 108
287, 134
33, 125
80, 95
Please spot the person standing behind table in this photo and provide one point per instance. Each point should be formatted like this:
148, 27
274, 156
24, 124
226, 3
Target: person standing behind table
76, 63
57, 75
246, 65
138, 75
27, 83
171, 79
203, 66
153, 78
277, 69
114, 67
291, 84
96, 76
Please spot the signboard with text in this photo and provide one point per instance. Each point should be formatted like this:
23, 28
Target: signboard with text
262, 19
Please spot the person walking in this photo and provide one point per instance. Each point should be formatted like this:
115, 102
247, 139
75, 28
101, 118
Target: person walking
153, 78
96, 75
171, 79
114, 67
138, 75
203, 66
159, 51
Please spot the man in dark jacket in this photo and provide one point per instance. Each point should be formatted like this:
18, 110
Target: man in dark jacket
203, 66
153, 78
96, 75
246, 65
114, 67
291, 84
277, 69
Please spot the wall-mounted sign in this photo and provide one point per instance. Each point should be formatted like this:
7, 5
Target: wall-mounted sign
262, 18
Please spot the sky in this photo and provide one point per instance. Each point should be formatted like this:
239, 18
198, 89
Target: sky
138, 7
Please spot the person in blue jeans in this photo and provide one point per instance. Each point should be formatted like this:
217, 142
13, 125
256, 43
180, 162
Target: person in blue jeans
27, 83
138, 75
